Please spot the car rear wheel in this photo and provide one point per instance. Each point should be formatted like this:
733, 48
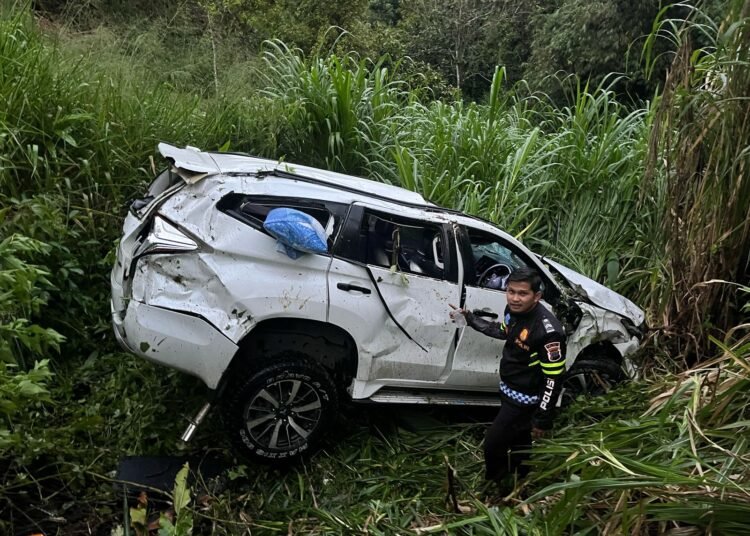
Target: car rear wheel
281, 410
590, 377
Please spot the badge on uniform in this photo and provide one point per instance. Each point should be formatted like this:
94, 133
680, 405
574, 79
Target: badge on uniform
553, 351
524, 334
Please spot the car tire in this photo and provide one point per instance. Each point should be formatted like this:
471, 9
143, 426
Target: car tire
590, 377
280, 411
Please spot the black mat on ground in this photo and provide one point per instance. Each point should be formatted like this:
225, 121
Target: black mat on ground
157, 473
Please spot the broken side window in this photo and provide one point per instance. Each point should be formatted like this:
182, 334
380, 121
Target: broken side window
253, 210
493, 259
410, 246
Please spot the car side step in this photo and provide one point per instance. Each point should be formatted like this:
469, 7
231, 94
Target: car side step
441, 398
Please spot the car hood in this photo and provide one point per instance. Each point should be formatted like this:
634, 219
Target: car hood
599, 294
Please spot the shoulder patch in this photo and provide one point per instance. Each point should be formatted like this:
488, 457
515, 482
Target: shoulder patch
553, 351
548, 327
507, 318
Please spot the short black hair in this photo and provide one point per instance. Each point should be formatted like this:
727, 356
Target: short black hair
527, 275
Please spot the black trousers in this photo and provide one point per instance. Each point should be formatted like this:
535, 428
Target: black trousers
509, 433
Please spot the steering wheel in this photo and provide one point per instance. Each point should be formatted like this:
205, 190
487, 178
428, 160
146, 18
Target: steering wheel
496, 270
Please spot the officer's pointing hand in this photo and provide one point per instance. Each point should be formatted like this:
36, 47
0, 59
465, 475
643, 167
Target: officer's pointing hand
457, 314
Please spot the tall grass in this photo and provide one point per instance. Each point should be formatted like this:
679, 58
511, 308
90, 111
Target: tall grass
567, 180
702, 135
549, 175
77, 142
72, 126
682, 456
333, 107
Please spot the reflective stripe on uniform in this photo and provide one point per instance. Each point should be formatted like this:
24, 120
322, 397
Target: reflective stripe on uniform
518, 396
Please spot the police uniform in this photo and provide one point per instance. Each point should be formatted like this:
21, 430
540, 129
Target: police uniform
532, 364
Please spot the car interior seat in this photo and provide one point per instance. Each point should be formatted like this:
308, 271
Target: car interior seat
379, 243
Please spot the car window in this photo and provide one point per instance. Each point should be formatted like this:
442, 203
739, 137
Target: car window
403, 244
253, 211
493, 260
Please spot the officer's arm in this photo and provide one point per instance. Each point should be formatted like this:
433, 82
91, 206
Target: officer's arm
498, 330
551, 355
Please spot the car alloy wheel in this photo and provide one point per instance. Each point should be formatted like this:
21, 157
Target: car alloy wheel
280, 411
283, 414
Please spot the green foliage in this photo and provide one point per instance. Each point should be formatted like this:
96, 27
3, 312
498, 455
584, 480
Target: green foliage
458, 42
19, 392
24, 289
536, 170
458, 37
591, 40
178, 522
333, 107
183, 523
304, 24
674, 450
80, 120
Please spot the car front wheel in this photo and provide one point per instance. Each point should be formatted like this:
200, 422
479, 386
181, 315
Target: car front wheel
280, 411
590, 377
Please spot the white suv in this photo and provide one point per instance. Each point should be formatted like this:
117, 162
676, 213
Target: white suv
201, 286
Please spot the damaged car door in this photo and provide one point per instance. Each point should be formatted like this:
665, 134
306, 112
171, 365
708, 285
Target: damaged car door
488, 260
391, 280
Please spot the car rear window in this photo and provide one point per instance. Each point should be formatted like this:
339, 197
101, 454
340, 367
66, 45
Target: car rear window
253, 210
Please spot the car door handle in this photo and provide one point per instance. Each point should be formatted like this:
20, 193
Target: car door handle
349, 287
486, 314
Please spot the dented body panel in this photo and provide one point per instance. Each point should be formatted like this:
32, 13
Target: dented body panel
185, 342
597, 326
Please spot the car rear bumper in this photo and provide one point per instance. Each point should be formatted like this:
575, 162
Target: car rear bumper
175, 339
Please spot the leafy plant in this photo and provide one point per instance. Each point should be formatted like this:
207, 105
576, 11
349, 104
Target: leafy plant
24, 289
80, 120
19, 392
178, 522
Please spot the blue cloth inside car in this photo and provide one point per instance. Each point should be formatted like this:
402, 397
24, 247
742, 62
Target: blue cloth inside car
296, 231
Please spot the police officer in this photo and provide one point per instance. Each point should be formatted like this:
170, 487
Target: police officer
532, 364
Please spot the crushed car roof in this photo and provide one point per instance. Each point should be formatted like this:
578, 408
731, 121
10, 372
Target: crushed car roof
192, 165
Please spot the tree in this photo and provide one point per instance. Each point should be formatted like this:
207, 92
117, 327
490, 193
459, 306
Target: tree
591, 39
457, 37
301, 23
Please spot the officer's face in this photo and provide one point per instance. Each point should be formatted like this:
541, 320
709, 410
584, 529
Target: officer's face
521, 299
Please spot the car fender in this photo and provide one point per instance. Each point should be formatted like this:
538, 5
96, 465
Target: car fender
599, 325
